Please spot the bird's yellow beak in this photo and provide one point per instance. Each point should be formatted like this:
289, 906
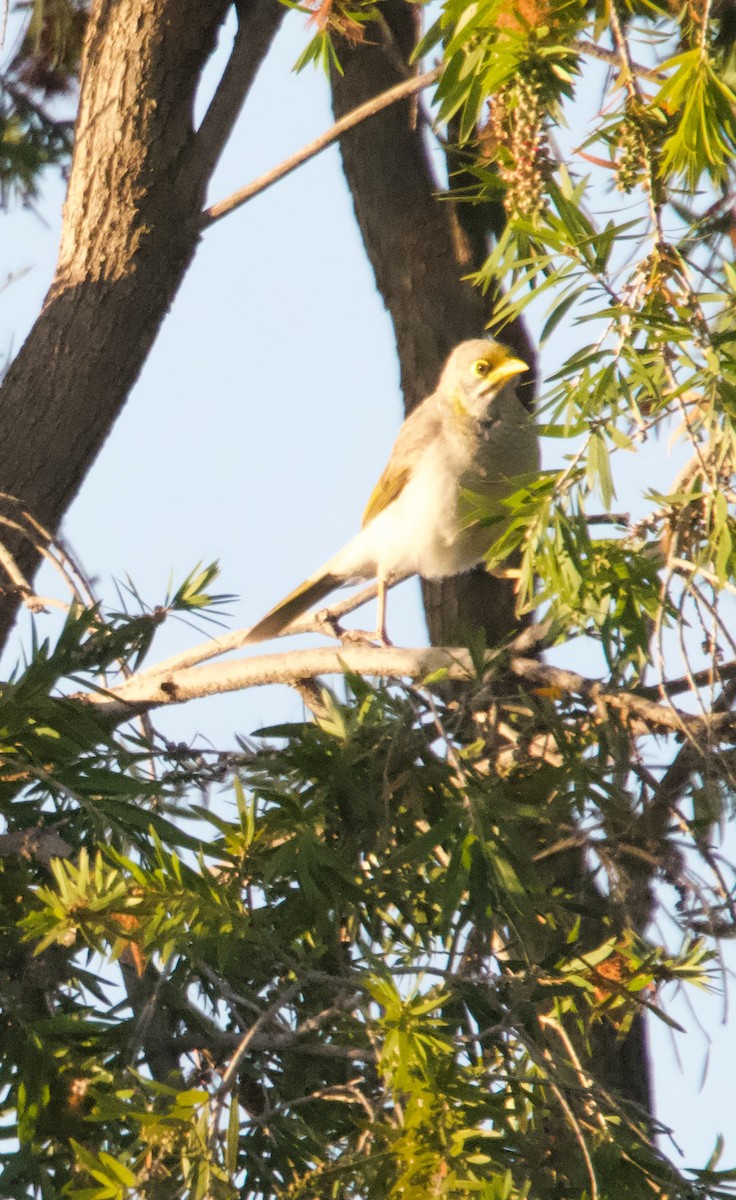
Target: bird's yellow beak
506, 370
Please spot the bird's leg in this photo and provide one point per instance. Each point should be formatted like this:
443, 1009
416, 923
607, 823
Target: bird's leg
381, 634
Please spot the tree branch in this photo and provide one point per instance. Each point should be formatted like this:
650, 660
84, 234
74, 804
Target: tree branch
309, 623
142, 693
258, 23
409, 87
130, 230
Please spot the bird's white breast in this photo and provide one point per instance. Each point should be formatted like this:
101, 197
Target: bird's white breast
421, 531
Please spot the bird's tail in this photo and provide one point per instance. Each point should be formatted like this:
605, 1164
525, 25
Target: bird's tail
297, 602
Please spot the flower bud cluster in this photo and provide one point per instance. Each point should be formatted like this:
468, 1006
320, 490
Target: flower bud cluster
640, 136
516, 130
633, 159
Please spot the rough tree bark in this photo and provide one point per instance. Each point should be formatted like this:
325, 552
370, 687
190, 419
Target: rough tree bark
420, 248
420, 252
131, 225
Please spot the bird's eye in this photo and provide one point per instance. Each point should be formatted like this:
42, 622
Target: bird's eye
481, 368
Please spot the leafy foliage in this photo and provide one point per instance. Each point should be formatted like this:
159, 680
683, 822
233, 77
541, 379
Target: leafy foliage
377, 954
34, 134
376, 965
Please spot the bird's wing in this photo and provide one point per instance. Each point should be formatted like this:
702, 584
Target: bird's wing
418, 430
390, 485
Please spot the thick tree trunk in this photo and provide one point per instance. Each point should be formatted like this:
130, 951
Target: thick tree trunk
420, 249
419, 252
131, 226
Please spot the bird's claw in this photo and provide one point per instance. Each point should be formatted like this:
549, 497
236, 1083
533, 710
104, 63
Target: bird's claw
363, 637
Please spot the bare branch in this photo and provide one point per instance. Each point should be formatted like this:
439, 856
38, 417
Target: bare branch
709, 677
139, 694
309, 623
31, 531
409, 87
614, 59
230, 1073
258, 22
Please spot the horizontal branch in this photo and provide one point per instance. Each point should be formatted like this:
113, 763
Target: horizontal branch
36, 843
614, 60
140, 694
408, 87
145, 692
709, 677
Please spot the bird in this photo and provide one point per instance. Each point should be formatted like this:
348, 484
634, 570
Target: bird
472, 434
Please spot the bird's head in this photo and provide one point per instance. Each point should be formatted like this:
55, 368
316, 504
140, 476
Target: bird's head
476, 372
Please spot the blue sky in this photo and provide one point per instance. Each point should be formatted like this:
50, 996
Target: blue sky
255, 433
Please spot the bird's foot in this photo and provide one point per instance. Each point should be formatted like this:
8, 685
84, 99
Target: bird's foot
362, 637
331, 625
